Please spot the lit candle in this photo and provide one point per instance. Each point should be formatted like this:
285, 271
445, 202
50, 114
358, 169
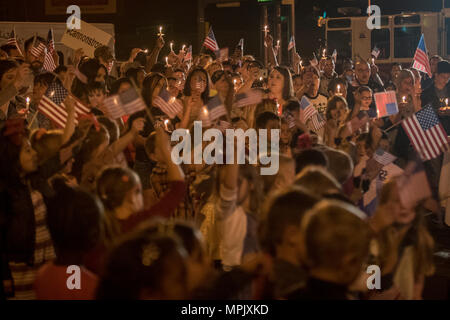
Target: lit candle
446, 102
266, 30
167, 61
160, 34
146, 51
166, 122
404, 99
52, 94
324, 52
28, 102
171, 46
301, 63
182, 48
260, 78
338, 88
278, 44
205, 111
234, 82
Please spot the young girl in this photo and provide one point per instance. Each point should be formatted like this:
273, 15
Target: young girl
149, 265
26, 244
74, 223
95, 152
406, 246
121, 193
96, 94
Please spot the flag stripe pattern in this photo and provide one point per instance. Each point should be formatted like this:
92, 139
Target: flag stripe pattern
426, 133
126, 103
216, 108
52, 106
37, 51
307, 110
248, 98
169, 105
421, 61
49, 62
291, 44
383, 157
210, 41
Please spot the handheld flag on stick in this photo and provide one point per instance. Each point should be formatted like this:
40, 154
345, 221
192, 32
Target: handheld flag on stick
421, 61
307, 110
382, 157
49, 62
210, 41
386, 103
13, 41
250, 97
291, 44
376, 52
168, 104
123, 104
51, 105
426, 133
216, 108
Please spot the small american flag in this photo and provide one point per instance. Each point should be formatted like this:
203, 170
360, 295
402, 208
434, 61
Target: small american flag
223, 125
383, 157
188, 56
426, 133
52, 107
386, 103
39, 50
291, 44
307, 110
216, 108
357, 122
250, 97
210, 41
421, 61
376, 52
168, 104
13, 41
123, 104
290, 120
49, 62
317, 122
413, 185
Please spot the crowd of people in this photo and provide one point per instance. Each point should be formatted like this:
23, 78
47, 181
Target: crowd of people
104, 194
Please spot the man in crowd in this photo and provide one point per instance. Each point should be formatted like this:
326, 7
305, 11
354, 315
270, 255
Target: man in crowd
327, 75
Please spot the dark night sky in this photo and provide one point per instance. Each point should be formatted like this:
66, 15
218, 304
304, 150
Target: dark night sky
136, 21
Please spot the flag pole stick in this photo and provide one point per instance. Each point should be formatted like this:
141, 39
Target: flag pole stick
140, 95
33, 119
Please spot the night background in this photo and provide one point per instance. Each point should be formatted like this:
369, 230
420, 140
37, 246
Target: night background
136, 21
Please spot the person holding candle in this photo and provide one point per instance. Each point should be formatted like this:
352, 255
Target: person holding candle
438, 92
337, 87
310, 89
327, 75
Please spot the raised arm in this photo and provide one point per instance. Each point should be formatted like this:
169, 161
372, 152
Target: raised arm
152, 58
120, 145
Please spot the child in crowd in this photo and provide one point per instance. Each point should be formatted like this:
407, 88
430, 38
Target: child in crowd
96, 94
74, 222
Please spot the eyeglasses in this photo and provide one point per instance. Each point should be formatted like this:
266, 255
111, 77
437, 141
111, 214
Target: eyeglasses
366, 98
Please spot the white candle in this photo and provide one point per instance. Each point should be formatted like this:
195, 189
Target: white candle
167, 61
160, 34
205, 111
324, 52
166, 122
146, 51
28, 102
266, 30
182, 48
171, 46
404, 99
446, 102
234, 82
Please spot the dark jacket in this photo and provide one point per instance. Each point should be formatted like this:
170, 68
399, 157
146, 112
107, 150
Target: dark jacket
429, 96
17, 223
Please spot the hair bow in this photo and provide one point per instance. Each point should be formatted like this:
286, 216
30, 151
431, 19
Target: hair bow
15, 130
304, 141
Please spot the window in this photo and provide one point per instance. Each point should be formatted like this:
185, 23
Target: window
380, 38
339, 23
407, 19
447, 32
341, 41
406, 40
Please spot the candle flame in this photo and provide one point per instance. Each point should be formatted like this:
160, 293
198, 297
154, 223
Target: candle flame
28, 100
446, 101
205, 111
404, 99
